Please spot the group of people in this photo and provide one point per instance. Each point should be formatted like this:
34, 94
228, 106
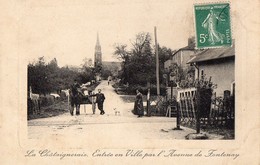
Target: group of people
77, 95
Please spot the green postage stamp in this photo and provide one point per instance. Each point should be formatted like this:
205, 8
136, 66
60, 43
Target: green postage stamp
212, 25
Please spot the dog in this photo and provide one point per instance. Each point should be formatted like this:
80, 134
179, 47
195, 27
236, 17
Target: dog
116, 112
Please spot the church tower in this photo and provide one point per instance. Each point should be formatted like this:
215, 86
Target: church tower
98, 53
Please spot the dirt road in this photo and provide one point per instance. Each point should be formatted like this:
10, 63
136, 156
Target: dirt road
110, 126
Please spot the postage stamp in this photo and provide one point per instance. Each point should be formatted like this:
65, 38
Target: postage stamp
212, 25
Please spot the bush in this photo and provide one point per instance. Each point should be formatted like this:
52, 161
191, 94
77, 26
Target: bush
143, 89
115, 85
46, 100
131, 89
63, 96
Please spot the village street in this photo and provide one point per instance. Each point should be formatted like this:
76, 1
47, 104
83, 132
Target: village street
109, 125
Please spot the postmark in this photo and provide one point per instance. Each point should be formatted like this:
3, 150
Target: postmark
212, 25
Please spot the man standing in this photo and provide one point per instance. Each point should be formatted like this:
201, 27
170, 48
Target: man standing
100, 98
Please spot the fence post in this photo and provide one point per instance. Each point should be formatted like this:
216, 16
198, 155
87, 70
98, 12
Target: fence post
198, 111
68, 102
148, 104
171, 89
178, 121
198, 122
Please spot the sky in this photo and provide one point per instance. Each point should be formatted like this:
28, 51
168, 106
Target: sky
67, 30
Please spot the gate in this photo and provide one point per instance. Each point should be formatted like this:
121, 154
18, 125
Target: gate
186, 100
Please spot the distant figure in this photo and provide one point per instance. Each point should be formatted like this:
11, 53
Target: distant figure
108, 82
100, 98
138, 107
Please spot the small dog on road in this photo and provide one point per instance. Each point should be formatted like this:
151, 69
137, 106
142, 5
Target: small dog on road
116, 112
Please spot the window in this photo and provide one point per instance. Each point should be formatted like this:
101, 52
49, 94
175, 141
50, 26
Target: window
202, 73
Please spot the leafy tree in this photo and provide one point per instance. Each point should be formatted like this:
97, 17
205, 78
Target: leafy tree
121, 52
141, 65
139, 62
87, 75
105, 73
37, 76
123, 55
164, 54
46, 78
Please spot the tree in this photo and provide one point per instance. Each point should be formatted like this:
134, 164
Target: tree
37, 76
142, 41
105, 73
142, 64
139, 64
46, 78
87, 75
121, 52
164, 54
123, 55
53, 64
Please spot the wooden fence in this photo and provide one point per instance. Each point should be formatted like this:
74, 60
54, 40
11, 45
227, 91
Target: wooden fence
222, 112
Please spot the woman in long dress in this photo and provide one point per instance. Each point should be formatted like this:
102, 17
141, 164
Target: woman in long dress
139, 108
210, 23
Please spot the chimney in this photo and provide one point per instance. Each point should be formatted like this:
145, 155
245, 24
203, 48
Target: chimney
191, 42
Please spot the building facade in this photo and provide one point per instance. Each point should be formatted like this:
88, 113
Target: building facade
219, 64
182, 55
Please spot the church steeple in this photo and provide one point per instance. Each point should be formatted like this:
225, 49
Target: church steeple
98, 53
97, 43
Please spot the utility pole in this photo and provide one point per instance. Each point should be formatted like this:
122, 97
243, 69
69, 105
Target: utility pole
157, 63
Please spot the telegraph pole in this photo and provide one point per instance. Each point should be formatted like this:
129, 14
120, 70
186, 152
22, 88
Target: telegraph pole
157, 63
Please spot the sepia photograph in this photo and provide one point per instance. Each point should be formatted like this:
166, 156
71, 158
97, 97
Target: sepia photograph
129, 82
134, 80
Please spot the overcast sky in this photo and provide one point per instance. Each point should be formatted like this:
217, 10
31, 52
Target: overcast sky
67, 30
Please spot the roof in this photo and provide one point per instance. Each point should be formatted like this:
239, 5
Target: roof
213, 54
189, 47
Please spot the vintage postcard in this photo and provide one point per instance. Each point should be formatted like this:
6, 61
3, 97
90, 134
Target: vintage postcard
129, 82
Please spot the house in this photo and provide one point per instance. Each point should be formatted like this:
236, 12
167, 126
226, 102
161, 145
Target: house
182, 56
219, 64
